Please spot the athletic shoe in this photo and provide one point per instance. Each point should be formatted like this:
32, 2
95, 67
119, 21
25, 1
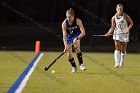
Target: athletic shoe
116, 66
82, 67
74, 69
121, 64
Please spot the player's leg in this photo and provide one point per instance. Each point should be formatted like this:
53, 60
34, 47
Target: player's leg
79, 54
78, 51
71, 60
117, 52
123, 52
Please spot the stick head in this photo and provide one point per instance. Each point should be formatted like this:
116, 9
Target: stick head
45, 68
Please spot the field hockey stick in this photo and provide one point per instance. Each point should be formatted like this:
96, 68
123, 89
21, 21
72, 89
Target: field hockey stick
109, 35
47, 68
133, 38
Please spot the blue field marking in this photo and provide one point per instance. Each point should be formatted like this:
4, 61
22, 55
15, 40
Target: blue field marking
17, 83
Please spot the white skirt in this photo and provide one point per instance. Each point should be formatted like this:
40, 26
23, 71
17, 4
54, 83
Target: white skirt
119, 36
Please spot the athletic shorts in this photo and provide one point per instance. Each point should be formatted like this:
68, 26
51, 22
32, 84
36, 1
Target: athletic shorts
120, 37
70, 38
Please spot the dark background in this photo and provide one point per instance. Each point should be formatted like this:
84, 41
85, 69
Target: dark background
18, 32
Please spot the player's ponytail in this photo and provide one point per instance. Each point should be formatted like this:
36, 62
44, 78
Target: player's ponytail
70, 11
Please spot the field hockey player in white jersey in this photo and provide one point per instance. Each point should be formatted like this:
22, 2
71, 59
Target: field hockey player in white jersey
121, 24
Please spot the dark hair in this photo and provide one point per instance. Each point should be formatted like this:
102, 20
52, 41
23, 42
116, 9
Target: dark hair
70, 11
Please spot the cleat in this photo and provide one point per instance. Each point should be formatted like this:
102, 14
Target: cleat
74, 69
82, 67
121, 64
116, 66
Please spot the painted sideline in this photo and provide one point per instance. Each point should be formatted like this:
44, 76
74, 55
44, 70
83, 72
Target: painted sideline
20, 83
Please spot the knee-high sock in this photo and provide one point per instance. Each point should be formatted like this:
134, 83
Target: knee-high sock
117, 57
80, 59
72, 62
122, 57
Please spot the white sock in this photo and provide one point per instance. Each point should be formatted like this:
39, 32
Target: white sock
122, 58
117, 57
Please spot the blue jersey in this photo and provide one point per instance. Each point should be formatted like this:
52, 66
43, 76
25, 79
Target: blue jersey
73, 31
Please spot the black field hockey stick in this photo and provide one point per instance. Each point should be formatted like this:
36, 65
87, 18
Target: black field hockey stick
108, 35
133, 38
47, 68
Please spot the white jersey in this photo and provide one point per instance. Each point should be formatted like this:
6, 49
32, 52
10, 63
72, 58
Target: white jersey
120, 26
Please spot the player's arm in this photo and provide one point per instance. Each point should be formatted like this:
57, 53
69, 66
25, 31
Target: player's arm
112, 26
82, 29
130, 22
64, 27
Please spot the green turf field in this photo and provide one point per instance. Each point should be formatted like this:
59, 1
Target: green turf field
100, 76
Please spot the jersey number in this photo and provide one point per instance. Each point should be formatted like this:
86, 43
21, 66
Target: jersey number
71, 31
